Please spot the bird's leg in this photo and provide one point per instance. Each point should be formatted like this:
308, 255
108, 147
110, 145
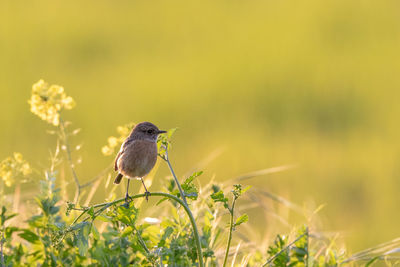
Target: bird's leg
127, 192
146, 193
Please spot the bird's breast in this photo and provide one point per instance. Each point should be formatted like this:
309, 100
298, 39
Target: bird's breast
138, 158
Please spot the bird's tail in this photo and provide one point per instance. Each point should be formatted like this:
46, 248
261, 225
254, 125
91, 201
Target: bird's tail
118, 178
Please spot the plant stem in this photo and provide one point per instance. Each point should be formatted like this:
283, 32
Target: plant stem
308, 246
173, 174
1, 251
231, 210
103, 206
69, 158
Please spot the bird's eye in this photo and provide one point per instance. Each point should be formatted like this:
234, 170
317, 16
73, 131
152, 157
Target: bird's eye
150, 131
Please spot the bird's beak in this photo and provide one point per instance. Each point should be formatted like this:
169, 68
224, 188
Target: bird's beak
160, 131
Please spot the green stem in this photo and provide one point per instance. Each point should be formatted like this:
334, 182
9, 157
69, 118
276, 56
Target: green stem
1, 251
308, 254
230, 232
173, 174
161, 194
141, 241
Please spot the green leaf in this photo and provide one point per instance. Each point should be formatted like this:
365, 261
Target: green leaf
37, 221
242, 219
4, 217
29, 236
128, 215
96, 234
82, 238
164, 141
10, 230
104, 218
161, 201
127, 231
189, 188
167, 232
220, 197
91, 211
192, 177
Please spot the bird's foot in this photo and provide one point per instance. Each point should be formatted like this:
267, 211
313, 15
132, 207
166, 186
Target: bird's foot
128, 199
146, 195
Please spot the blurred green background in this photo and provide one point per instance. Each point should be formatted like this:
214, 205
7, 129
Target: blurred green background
268, 83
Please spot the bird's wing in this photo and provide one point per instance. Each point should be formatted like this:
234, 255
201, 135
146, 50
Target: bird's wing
121, 151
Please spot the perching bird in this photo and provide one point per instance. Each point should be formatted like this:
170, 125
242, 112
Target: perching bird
138, 154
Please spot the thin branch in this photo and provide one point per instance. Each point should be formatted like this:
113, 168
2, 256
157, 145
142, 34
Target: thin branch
166, 158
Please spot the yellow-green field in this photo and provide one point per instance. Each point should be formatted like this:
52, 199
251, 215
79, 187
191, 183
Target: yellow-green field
258, 83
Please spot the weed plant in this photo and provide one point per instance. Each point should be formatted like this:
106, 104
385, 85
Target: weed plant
190, 225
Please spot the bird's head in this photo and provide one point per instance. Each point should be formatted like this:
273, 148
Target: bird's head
146, 131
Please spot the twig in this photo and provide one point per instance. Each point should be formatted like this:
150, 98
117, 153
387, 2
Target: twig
69, 158
166, 158
282, 250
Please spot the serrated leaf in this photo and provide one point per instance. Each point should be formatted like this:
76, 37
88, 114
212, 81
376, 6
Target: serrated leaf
219, 197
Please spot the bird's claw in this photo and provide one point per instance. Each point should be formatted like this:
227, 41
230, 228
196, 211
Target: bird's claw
128, 199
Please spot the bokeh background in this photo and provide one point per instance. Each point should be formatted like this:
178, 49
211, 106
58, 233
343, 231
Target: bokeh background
258, 83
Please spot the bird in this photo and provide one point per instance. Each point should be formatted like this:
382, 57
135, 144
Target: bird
138, 155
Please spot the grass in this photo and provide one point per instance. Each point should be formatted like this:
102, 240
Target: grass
189, 231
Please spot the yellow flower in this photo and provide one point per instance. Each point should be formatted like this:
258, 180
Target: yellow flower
14, 168
47, 101
115, 142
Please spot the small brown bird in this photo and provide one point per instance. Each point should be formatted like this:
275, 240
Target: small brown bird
138, 154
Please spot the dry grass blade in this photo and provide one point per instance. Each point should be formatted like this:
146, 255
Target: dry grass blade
98, 176
91, 192
378, 251
234, 255
264, 172
202, 164
273, 214
280, 200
